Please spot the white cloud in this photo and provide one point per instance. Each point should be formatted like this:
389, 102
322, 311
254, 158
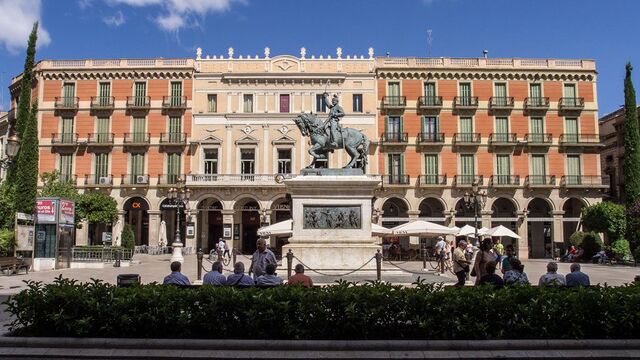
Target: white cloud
116, 20
18, 18
177, 14
85, 4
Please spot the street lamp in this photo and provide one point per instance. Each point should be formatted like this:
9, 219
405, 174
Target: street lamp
13, 145
475, 200
178, 196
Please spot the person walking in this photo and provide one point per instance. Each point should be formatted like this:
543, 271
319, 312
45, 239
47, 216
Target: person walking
576, 277
176, 277
460, 263
261, 258
239, 278
552, 278
215, 277
482, 258
300, 278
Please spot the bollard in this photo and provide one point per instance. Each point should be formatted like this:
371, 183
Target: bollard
200, 256
233, 251
424, 256
118, 255
289, 262
378, 265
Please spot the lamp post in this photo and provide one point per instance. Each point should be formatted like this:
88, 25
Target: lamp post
13, 145
178, 196
475, 200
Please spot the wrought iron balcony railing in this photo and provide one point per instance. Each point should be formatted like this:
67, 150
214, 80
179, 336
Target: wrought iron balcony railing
536, 103
394, 102
177, 138
569, 103
467, 180
504, 181
540, 181
579, 139
501, 102
98, 180
208, 180
169, 179
64, 139
102, 102
584, 181
395, 137
70, 103
137, 138
430, 138
133, 180
432, 180
174, 102
138, 102
503, 139
430, 102
538, 138
465, 102
466, 138
100, 139
395, 179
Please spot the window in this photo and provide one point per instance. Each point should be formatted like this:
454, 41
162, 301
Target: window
247, 163
538, 170
573, 170
284, 103
500, 94
104, 94
535, 95
66, 168
212, 103
571, 130
396, 168
173, 167
501, 130
570, 95
320, 104
394, 129
466, 129
465, 94
284, 161
176, 93
137, 167
101, 169
102, 130
393, 89
69, 93
175, 129
467, 168
503, 169
210, 161
430, 129
139, 129
247, 101
140, 93
67, 136
431, 168
357, 103
430, 93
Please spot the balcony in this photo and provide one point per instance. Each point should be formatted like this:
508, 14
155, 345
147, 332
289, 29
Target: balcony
134, 180
580, 140
504, 181
102, 103
540, 181
137, 139
394, 102
169, 180
394, 138
538, 139
466, 139
100, 139
174, 102
571, 104
232, 180
64, 139
501, 102
139, 103
429, 102
395, 180
98, 180
584, 181
66, 103
430, 138
173, 139
432, 180
71, 179
465, 102
467, 180
503, 139
536, 103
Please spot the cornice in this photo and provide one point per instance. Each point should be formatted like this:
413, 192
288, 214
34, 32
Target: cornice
487, 75
116, 74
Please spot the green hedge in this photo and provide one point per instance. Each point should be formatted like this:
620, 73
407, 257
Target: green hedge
344, 311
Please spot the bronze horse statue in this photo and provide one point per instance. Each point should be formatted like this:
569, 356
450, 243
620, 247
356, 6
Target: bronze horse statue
353, 141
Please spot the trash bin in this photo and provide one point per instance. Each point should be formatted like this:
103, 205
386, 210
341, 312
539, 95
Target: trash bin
125, 280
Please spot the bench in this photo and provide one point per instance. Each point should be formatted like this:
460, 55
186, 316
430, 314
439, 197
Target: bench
14, 264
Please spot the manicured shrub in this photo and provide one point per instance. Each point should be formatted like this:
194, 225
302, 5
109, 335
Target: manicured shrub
344, 311
621, 250
590, 242
7, 242
128, 239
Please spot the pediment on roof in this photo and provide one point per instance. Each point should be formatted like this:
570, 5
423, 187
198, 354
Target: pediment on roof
284, 140
247, 140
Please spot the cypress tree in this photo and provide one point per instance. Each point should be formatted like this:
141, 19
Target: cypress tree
631, 165
27, 165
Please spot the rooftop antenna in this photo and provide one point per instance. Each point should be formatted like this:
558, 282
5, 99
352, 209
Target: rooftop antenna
485, 53
429, 41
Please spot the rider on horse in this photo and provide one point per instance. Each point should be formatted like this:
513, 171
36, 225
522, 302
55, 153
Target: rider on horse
335, 113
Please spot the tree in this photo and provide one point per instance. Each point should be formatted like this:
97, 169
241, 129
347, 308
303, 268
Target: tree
606, 217
53, 187
97, 208
631, 165
26, 177
128, 238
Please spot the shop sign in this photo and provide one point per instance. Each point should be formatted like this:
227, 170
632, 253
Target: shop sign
67, 211
46, 211
167, 205
282, 207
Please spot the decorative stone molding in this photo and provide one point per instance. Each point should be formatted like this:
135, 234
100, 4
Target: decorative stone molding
485, 75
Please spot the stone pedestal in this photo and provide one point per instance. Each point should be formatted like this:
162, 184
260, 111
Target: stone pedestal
332, 221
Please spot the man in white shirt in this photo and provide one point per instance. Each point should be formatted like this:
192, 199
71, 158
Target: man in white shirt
552, 278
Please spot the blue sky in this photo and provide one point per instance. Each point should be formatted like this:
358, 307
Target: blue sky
603, 30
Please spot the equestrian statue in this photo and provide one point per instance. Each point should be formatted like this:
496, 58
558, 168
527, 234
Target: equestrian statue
328, 135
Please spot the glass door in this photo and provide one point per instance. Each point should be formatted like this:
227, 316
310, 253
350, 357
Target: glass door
431, 169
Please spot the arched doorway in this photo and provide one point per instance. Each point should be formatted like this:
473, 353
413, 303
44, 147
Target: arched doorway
136, 214
466, 215
395, 212
280, 211
503, 212
168, 213
210, 221
571, 218
246, 227
539, 228
432, 209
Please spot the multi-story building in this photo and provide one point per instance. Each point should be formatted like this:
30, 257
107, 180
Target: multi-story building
612, 154
243, 133
118, 126
524, 130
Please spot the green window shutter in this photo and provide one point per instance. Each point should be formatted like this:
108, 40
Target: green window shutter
139, 129
66, 168
535, 91
386, 124
401, 127
101, 166
173, 167
175, 128
176, 93
401, 164
502, 129
67, 135
573, 170
503, 168
102, 129
571, 129
137, 165
140, 92
538, 169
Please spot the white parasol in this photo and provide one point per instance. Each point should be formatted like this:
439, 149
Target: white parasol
469, 230
279, 228
421, 227
117, 233
162, 235
502, 231
377, 230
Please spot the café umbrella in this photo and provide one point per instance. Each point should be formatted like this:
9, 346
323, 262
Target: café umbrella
502, 231
285, 228
422, 228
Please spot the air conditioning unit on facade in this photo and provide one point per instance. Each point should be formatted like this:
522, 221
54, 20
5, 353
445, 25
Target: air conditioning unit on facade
142, 179
104, 180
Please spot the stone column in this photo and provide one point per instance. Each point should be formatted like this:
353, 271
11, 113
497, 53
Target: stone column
82, 235
228, 149
227, 220
485, 215
154, 226
558, 230
522, 230
413, 215
451, 216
